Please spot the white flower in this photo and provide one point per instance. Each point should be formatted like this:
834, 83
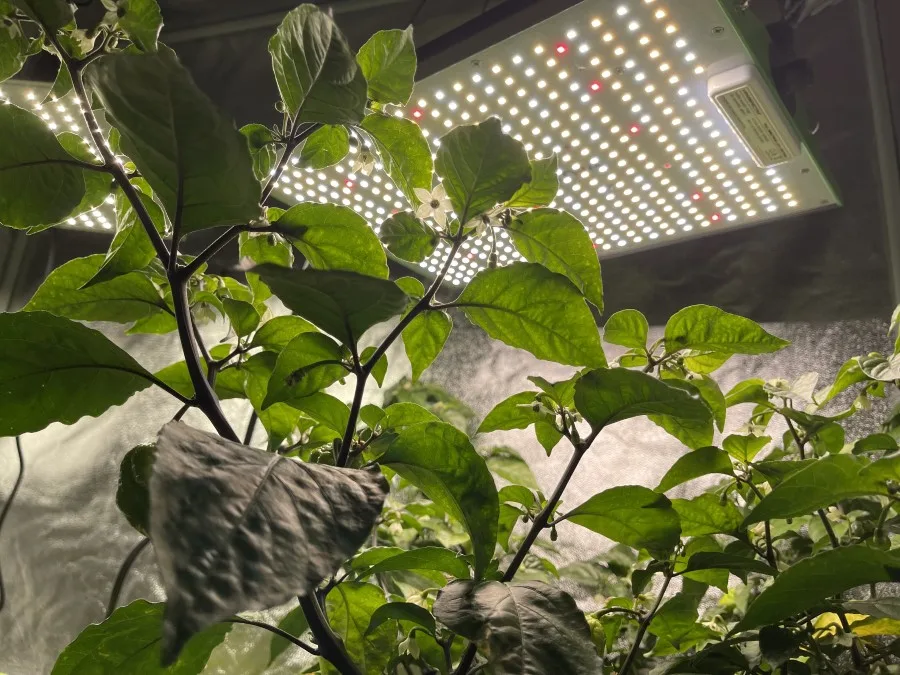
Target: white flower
364, 163
481, 223
435, 204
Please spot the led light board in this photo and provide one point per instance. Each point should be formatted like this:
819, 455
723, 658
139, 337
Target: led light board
621, 93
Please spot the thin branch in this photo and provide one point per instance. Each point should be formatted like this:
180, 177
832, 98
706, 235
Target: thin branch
770, 551
251, 427
347, 440
278, 631
330, 646
201, 346
182, 411
645, 623
796, 436
71, 162
217, 245
8, 505
123, 574
615, 610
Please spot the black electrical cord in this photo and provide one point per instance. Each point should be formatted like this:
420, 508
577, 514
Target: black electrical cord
6, 507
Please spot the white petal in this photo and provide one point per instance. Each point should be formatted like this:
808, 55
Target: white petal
422, 194
439, 192
445, 204
440, 218
424, 210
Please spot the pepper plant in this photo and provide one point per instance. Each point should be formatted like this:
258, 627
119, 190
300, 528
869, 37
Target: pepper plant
382, 528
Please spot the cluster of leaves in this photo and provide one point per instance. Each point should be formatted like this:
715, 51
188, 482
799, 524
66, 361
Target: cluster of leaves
384, 522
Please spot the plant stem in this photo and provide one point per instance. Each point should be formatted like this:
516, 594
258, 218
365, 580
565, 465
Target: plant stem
365, 369
645, 623
8, 505
251, 427
278, 631
330, 646
770, 552
618, 610
123, 574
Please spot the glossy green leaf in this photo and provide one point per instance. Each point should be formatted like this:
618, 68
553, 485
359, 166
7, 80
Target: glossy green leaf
13, 48
716, 658
263, 149
193, 158
407, 237
707, 514
350, 607
440, 460
850, 373
402, 611
278, 419
53, 369
262, 528
265, 248
604, 397
694, 433
141, 20
875, 443
123, 299
404, 414
744, 448
700, 462
559, 242
325, 147
529, 307
628, 328
424, 339
343, 304
404, 152
884, 469
541, 189
133, 491
427, 558
713, 398
816, 486
243, 316
388, 60
480, 167
676, 623
817, 578
98, 185
748, 391
777, 645
379, 368
630, 515
276, 333
333, 237
515, 412
326, 409
547, 435
295, 623
54, 14
736, 564
880, 367
524, 629
509, 465
315, 69
34, 165
706, 328
715, 577
129, 642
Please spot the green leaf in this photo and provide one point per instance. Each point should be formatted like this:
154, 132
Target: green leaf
404, 414
562, 392
371, 415
547, 435
694, 433
141, 20
700, 462
559, 242
56, 370
744, 447
712, 396
243, 316
32, 161
676, 623
315, 70
54, 14
379, 369
515, 412
823, 482
133, 492
850, 373
711, 577
404, 152
748, 391
875, 443
424, 339
541, 189
518, 494
295, 623
279, 419
881, 608
326, 146
326, 409
388, 61
529, 307
131, 248
884, 469
707, 514
814, 579
123, 299
604, 397
262, 147
427, 558
481, 167
777, 644
710, 329
509, 465
628, 328
265, 248
737, 564
407, 237
276, 333
129, 641
350, 607
402, 611
97, 184
13, 48
412, 287
343, 304
880, 367
333, 237
262, 529
525, 629
193, 158
439, 460
716, 658
630, 515
704, 363
509, 516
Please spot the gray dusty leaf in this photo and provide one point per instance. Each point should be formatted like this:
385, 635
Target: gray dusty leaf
236, 528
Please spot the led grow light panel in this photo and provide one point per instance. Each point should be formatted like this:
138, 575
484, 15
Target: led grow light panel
619, 92
59, 116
